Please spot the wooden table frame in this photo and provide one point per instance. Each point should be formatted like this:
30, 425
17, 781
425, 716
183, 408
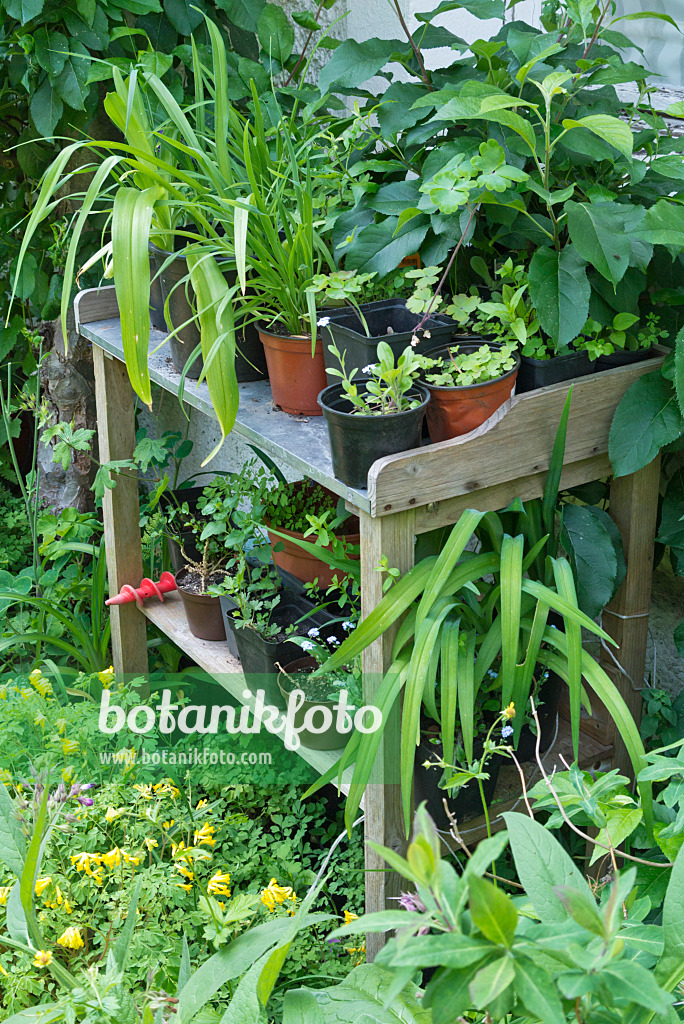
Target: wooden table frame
407, 495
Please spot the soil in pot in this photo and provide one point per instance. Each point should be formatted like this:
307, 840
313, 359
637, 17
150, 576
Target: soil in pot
454, 411
296, 377
539, 373
357, 441
250, 361
465, 802
388, 320
316, 711
549, 695
202, 611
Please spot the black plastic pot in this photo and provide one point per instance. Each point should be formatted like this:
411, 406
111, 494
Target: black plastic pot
622, 358
156, 298
356, 441
539, 373
549, 695
250, 361
228, 606
466, 801
348, 333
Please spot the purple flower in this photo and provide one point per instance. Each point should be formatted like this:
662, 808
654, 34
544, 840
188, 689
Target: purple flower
85, 801
410, 901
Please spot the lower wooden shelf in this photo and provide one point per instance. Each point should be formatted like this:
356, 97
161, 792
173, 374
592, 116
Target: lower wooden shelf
217, 661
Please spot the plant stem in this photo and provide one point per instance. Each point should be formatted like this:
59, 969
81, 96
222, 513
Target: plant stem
295, 69
597, 28
416, 51
448, 268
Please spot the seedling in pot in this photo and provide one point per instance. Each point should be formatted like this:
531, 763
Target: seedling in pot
466, 368
387, 387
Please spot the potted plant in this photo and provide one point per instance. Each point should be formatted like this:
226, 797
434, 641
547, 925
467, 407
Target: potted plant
378, 416
324, 725
355, 329
467, 381
291, 512
621, 342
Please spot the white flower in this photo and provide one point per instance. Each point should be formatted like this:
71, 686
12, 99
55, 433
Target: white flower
369, 368
333, 641
348, 625
314, 632
323, 322
306, 645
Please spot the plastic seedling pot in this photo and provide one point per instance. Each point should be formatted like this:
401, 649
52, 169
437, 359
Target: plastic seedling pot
329, 738
202, 611
539, 373
348, 333
357, 441
623, 358
296, 377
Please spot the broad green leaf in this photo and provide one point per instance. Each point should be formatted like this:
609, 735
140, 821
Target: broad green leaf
599, 233
353, 63
669, 970
275, 33
72, 82
492, 910
537, 993
560, 290
663, 224
491, 981
365, 997
620, 823
483, 9
381, 247
610, 129
543, 865
184, 15
24, 10
24, 281
581, 910
596, 563
452, 950
646, 419
636, 983
46, 108
243, 14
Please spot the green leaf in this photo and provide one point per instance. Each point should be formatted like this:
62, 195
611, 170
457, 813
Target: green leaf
537, 993
646, 419
560, 291
244, 14
620, 823
275, 32
184, 15
669, 971
352, 63
593, 556
25, 281
381, 247
492, 910
24, 10
611, 129
491, 981
663, 224
634, 982
363, 997
72, 83
452, 950
306, 20
600, 235
50, 49
580, 910
483, 9
543, 865
121, 947
46, 108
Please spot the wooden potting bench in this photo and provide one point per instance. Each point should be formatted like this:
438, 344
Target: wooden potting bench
407, 495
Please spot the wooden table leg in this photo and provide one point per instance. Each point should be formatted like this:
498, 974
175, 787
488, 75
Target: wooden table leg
634, 507
393, 537
121, 511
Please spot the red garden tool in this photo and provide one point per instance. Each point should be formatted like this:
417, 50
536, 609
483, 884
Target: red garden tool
148, 588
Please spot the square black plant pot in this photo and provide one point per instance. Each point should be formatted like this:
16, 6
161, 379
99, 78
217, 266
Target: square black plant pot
539, 373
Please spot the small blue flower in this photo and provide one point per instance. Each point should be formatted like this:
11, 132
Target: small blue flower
506, 731
348, 626
314, 632
306, 645
333, 641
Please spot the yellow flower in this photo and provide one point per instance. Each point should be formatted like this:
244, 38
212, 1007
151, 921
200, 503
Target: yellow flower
106, 677
185, 872
71, 939
42, 958
86, 862
201, 804
67, 906
204, 835
42, 884
145, 791
275, 895
218, 884
165, 788
40, 683
112, 859
168, 824
26, 693
61, 725
40, 720
3, 971
5, 890
509, 712
130, 859
113, 813
179, 852
151, 844
349, 917
183, 885
69, 746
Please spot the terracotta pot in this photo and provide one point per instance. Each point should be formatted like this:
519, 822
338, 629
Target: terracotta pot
296, 378
203, 612
454, 411
302, 565
329, 738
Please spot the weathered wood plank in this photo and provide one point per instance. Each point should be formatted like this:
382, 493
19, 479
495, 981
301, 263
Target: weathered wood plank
95, 304
516, 442
393, 537
121, 512
634, 507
